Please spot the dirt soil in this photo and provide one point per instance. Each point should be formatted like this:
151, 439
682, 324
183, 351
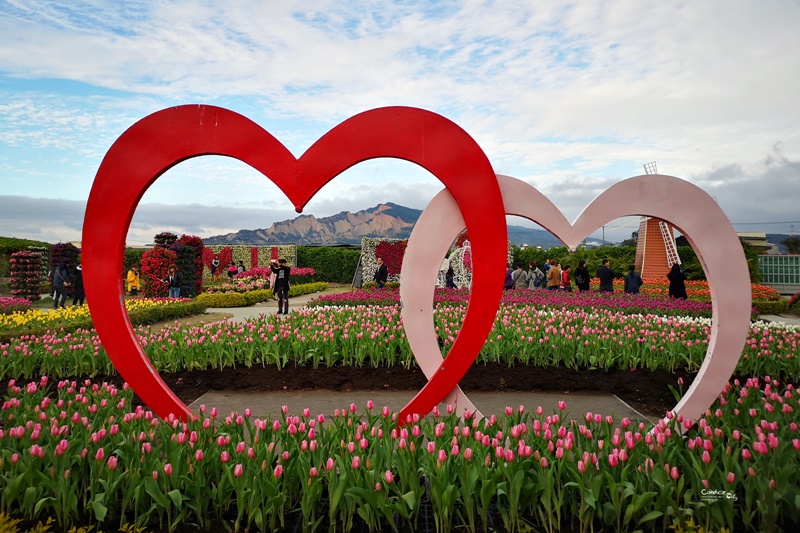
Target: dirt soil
647, 392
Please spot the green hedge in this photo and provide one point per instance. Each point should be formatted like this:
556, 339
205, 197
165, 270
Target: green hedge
137, 317
769, 307
374, 285
337, 265
246, 299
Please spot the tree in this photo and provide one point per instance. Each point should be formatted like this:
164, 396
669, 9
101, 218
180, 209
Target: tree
792, 243
633, 241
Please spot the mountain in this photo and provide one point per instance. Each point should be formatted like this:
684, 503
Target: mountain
387, 220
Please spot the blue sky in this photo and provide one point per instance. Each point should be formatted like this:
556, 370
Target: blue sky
570, 97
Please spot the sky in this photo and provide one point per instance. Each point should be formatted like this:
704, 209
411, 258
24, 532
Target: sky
568, 96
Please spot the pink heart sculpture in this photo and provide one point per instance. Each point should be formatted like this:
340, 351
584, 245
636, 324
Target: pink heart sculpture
686, 206
157, 142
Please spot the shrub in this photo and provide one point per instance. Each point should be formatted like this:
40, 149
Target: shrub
330, 264
132, 256
794, 302
26, 275
64, 252
770, 307
155, 263
223, 299
196, 244
186, 266
374, 285
165, 239
244, 299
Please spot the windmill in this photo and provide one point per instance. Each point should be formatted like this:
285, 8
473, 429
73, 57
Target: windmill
656, 250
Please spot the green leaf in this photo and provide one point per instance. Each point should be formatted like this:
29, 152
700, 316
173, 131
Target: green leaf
652, 515
410, 499
99, 509
176, 497
29, 499
151, 488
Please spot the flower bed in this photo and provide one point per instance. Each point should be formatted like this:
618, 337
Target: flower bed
695, 290
35, 322
14, 305
79, 452
629, 303
374, 336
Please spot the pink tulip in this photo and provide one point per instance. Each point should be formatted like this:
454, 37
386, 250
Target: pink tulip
313, 472
674, 474
356, 463
278, 472
224, 457
198, 455
238, 470
330, 464
388, 476
168, 469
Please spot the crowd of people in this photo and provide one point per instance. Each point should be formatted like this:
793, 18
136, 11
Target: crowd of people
554, 276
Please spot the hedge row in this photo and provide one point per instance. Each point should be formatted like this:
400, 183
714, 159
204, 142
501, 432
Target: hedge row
137, 317
769, 307
246, 299
336, 265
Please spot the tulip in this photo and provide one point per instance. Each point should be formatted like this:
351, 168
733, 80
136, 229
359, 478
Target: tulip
278, 472
168, 469
238, 470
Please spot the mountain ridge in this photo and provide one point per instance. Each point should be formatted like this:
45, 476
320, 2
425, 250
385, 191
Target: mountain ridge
386, 220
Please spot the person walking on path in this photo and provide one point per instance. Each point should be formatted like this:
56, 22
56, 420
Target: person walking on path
677, 285
382, 274
606, 276
582, 277
282, 272
633, 281
60, 283
520, 278
78, 294
133, 280
174, 281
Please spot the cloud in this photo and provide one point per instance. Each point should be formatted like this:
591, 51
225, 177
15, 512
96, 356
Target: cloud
570, 97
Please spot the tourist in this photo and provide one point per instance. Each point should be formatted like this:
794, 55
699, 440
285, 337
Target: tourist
519, 278
381, 274
240, 268
134, 284
582, 277
60, 283
450, 279
553, 276
633, 281
78, 294
215, 268
606, 276
232, 271
508, 281
677, 287
565, 281
536, 278
282, 272
173, 281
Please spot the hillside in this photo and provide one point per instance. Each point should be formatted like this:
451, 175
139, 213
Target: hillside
387, 220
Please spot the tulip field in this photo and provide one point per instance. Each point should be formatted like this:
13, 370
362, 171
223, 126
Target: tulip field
79, 452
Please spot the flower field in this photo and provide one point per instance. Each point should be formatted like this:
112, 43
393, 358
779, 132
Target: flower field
79, 452
33, 318
373, 336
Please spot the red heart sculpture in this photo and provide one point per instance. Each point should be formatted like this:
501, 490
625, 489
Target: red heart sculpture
157, 142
